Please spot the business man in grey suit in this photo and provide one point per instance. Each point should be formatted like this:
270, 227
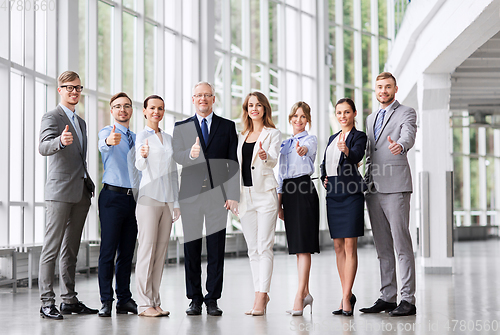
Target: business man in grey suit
391, 133
63, 137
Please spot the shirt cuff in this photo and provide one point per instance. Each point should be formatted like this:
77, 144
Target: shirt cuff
402, 149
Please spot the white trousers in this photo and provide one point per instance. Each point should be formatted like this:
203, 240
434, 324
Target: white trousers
154, 222
259, 224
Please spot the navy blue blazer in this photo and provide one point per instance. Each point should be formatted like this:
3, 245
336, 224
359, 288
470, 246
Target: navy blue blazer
218, 159
348, 179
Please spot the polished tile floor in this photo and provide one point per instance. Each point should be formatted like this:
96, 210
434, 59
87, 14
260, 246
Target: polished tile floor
465, 302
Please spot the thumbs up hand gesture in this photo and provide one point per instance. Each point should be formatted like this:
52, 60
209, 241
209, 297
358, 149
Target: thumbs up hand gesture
145, 149
301, 151
341, 144
394, 147
195, 149
262, 153
66, 136
114, 138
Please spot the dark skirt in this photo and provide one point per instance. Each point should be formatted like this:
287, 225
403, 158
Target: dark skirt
345, 214
301, 209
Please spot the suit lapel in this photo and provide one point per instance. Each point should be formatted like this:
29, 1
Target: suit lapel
213, 128
72, 130
387, 117
262, 136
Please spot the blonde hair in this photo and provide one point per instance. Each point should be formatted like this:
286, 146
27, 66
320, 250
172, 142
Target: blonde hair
386, 75
305, 108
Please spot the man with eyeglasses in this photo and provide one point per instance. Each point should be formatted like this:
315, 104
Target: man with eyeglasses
205, 146
68, 190
117, 208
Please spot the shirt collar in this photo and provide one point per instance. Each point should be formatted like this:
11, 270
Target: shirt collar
388, 108
209, 117
150, 130
121, 128
302, 134
68, 111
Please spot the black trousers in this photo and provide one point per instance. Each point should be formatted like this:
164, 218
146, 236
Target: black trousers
118, 237
208, 207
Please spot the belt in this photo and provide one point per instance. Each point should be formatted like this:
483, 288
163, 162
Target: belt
127, 191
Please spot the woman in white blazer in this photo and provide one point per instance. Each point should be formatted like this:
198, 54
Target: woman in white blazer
258, 148
157, 206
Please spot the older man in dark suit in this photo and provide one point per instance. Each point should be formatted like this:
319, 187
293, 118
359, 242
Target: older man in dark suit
205, 145
63, 138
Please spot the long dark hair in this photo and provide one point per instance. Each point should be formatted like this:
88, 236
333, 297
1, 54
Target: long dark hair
267, 117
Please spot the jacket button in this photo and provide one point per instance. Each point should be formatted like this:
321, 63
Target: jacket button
375, 149
253, 167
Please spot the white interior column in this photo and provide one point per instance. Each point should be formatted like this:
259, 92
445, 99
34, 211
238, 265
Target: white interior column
433, 104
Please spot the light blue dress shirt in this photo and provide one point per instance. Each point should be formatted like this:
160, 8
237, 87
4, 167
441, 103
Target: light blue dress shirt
291, 164
209, 120
114, 158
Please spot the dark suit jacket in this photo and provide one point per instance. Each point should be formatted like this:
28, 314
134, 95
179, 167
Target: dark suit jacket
67, 166
217, 161
348, 178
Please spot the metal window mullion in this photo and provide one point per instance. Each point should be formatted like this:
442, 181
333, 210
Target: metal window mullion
391, 30
358, 62
246, 46
481, 136
160, 42
496, 161
178, 89
226, 44
374, 49
339, 51
5, 129
466, 187
264, 46
91, 230
117, 49
282, 64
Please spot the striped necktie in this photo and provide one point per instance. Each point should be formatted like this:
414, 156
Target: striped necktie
378, 124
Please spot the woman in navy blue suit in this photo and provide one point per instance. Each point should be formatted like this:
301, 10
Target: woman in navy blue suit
344, 198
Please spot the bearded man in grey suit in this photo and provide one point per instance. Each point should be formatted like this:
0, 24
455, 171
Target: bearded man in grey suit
68, 190
391, 134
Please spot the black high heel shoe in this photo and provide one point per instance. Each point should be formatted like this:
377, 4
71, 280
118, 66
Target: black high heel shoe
353, 302
338, 311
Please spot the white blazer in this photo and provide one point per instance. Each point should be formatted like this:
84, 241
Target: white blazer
263, 178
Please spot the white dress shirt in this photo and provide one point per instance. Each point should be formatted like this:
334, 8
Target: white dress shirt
333, 156
159, 172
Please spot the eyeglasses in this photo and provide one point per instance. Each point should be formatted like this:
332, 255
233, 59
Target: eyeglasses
118, 107
203, 95
70, 88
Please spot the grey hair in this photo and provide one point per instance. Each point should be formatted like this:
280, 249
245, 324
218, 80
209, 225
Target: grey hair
204, 83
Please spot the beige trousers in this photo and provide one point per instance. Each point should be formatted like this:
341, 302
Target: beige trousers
154, 222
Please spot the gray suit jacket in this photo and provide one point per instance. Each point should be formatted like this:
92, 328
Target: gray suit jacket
67, 166
385, 172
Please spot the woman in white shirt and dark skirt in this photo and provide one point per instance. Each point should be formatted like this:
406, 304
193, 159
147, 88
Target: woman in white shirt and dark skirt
258, 145
157, 206
345, 199
298, 200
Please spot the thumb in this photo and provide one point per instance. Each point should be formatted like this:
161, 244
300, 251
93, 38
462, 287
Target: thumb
197, 141
343, 136
389, 139
260, 145
298, 145
67, 128
146, 141
114, 128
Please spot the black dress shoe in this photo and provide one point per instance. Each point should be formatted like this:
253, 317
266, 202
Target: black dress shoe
77, 308
379, 306
129, 306
404, 309
212, 308
50, 312
194, 308
353, 302
106, 308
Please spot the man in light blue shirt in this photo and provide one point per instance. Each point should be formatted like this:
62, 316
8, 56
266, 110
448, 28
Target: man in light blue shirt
117, 208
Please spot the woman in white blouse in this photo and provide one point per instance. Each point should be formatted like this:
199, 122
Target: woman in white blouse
157, 200
258, 147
